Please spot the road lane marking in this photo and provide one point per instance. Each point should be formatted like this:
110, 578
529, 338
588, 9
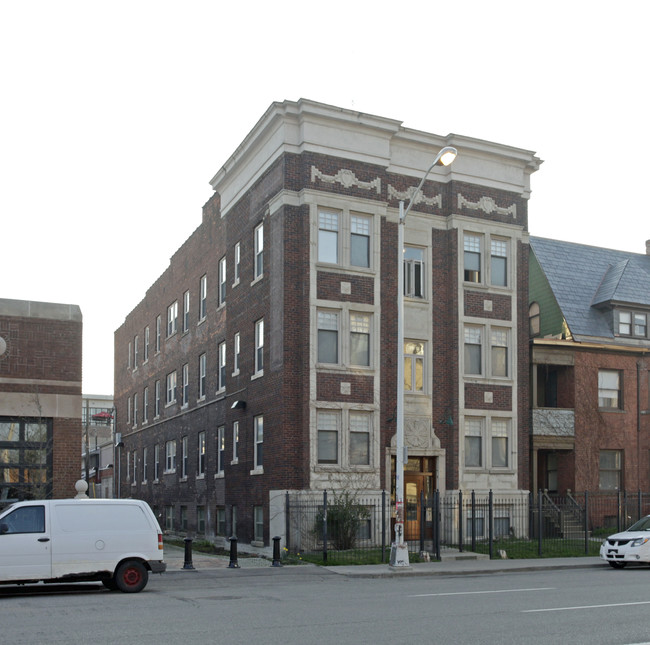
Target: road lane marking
618, 604
470, 593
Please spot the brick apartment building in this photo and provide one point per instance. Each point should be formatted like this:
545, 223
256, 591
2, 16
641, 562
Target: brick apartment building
263, 359
40, 399
590, 367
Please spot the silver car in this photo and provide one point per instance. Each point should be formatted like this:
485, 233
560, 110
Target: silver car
632, 545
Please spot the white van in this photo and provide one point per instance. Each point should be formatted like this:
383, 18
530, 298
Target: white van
116, 541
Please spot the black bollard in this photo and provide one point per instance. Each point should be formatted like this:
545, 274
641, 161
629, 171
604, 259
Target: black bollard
188, 554
276, 552
233, 553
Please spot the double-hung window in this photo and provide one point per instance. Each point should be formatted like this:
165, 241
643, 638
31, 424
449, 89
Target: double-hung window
186, 311
235, 442
328, 436
146, 344
258, 434
632, 324
201, 457
221, 449
473, 350
145, 465
237, 265
360, 240
259, 251
203, 297
145, 405
472, 258
359, 451
499, 443
136, 352
158, 332
157, 399
156, 462
473, 442
328, 237
610, 468
172, 319
222, 281
413, 366
259, 346
222, 366
202, 375
359, 339
413, 272
610, 389
170, 388
236, 353
184, 457
498, 262
185, 397
135, 409
499, 351
328, 337
170, 456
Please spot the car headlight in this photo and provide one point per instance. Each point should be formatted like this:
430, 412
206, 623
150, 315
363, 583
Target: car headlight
639, 541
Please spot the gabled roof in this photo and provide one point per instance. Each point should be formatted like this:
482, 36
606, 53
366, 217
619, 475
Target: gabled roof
586, 279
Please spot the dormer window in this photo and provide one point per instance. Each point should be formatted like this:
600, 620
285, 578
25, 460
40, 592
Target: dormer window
632, 323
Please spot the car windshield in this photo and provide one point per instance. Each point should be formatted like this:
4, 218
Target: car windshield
642, 525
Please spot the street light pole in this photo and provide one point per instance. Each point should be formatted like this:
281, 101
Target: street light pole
399, 551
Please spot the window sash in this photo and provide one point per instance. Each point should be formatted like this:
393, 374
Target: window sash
259, 251
203, 299
186, 311
328, 237
359, 241
609, 389
259, 442
259, 346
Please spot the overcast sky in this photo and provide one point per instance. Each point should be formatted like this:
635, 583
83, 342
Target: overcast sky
115, 115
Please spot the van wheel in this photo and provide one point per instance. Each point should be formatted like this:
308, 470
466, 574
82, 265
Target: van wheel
617, 565
131, 576
109, 583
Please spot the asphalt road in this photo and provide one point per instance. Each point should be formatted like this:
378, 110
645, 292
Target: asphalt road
305, 604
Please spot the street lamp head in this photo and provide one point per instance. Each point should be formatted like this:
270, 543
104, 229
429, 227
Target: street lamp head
446, 156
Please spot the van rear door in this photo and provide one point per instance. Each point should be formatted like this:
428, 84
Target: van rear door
25, 543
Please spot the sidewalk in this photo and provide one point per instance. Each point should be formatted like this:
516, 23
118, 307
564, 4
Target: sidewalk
452, 563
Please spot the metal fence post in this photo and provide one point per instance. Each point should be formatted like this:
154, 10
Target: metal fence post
618, 511
436, 523
460, 521
423, 519
540, 523
188, 554
490, 523
586, 523
383, 526
324, 526
473, 521
638, 506
233, 554
287, 522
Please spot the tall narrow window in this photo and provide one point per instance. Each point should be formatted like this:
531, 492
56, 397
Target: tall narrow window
222, 281
135, 466
413, 272
146, 344
135, 409
499, 443
328, 337
625, 323
203, 297
499, 342
473, 443
236, 351
158, 332
170, 456
157, 399
499, 262
258, 512
136, 352
413, 366
186, 384
359, 339
609, 389
610, 462
259, 346
472, 258
359, 439
171, 388
534, 320
222, 366
328, 437
328, 237
641, 325
156, 462
237, 267
259, 441
172, 318
184, 456
201, 454
259, 250
221, 448
202, 375
235, 441
186, 311
145, 405
473, 342
359, 241
145, 465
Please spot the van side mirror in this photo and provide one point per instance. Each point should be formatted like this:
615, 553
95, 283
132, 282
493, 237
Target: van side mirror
4, 528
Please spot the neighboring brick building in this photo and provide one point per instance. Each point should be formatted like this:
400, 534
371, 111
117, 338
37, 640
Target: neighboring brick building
263, 360
590, 309
40, 399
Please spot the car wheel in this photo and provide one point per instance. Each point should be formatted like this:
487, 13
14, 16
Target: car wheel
131, 576
617, 565
109, 583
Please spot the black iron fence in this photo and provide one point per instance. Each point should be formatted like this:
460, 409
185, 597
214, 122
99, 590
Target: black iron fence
347, 527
